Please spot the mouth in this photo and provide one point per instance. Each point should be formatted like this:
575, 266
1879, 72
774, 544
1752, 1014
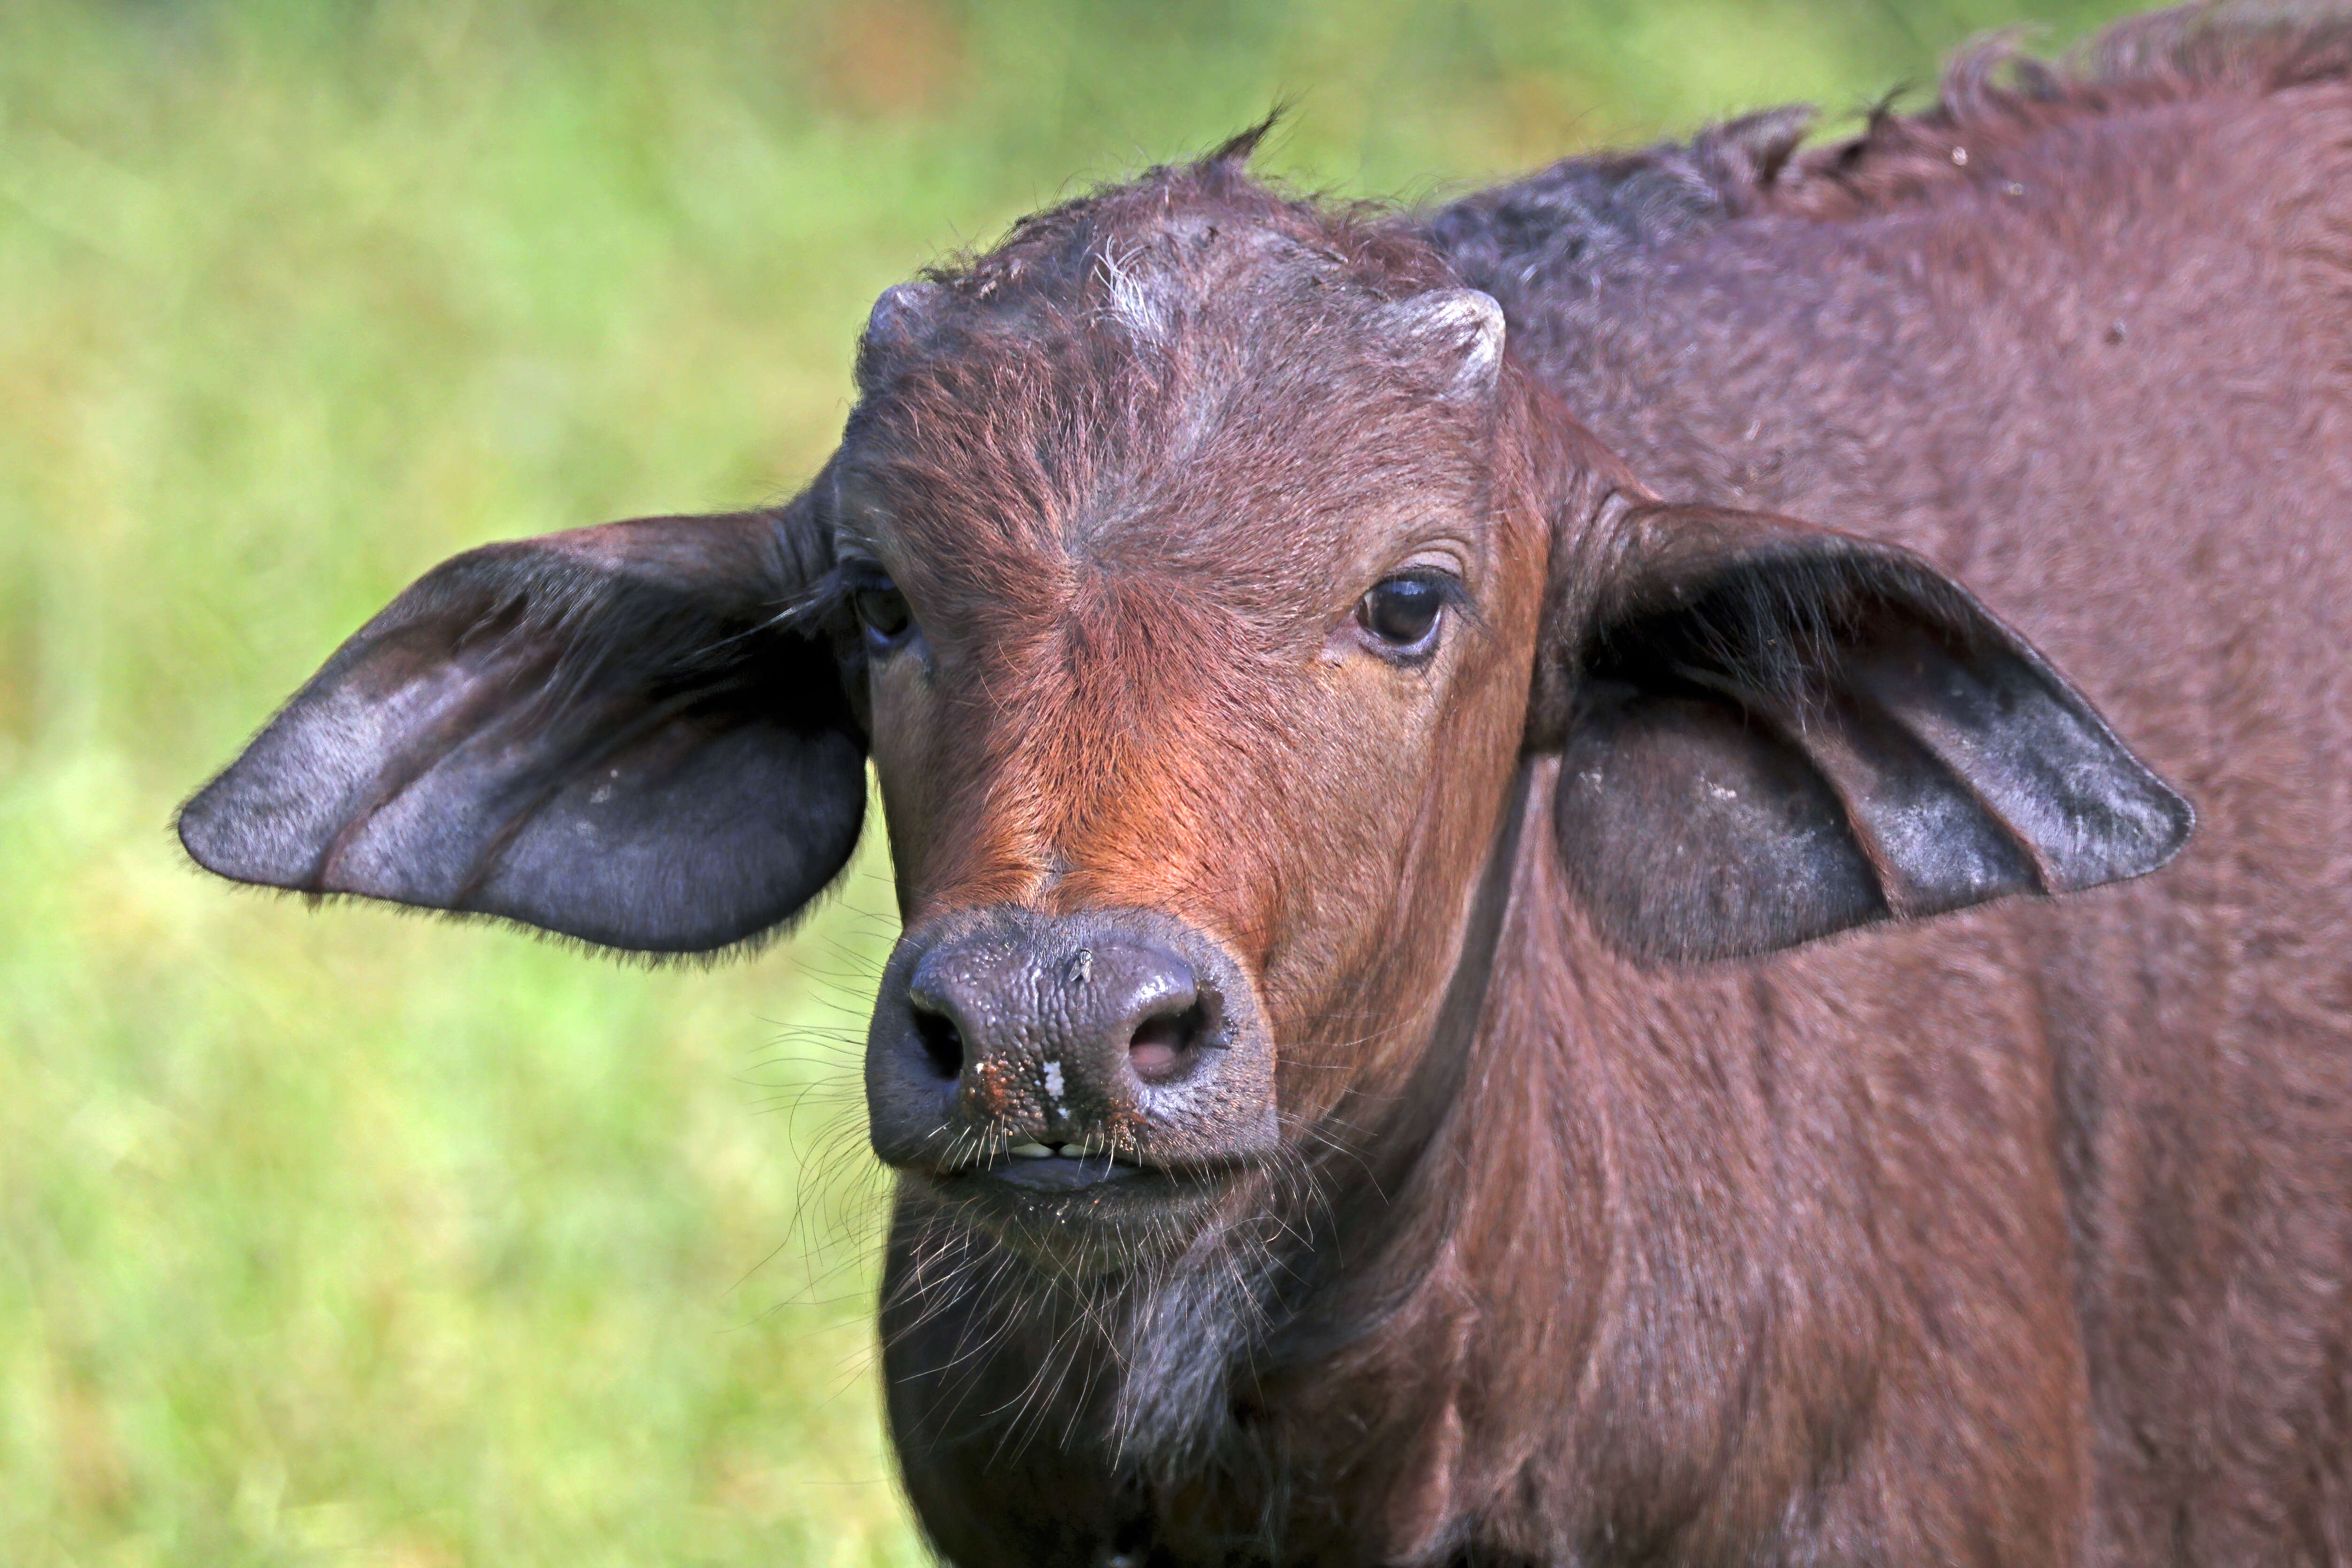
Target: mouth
1064, 1168
1037, 1170
1067, 1203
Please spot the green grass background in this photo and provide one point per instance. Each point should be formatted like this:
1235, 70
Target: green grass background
334, 1236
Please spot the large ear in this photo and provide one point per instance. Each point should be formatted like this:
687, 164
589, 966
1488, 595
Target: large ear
1778, 732
617, 733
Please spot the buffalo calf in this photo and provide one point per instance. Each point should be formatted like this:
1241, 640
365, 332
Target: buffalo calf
1483, 976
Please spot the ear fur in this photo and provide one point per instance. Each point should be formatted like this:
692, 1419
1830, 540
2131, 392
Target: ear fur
1778, 732
613, 733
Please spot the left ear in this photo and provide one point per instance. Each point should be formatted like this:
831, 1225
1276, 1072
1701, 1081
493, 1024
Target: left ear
617, 733
1777, 731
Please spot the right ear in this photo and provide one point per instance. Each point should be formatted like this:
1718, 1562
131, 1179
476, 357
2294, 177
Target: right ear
621, 734
1775, 732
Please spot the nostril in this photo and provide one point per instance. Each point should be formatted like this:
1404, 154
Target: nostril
1163, 1044
942, 1042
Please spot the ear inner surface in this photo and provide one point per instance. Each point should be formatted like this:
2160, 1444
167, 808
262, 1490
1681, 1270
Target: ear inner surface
1693, 832
1928, 838
1781, 733
2035, 755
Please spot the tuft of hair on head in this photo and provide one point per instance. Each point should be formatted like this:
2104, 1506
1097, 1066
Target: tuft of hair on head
1231, 158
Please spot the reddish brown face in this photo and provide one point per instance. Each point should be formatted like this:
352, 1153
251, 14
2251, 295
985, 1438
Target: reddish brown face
1194, 678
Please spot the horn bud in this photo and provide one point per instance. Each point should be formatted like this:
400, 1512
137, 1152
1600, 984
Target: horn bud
899, 321
1460, 324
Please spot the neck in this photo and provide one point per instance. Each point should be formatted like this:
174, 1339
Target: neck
1386, 1201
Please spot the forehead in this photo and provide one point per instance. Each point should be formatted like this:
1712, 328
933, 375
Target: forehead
1198, 391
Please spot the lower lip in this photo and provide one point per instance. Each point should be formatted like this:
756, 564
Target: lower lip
1066, 1174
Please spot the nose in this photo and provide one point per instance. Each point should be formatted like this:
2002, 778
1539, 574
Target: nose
1112, 1004
1123, 1032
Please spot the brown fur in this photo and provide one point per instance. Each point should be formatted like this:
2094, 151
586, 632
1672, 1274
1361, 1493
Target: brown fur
2019, 1237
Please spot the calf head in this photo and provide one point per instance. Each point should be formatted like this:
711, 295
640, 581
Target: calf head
1199, 572
1197, 635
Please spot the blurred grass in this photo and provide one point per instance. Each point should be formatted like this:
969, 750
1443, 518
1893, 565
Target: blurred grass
336, 1236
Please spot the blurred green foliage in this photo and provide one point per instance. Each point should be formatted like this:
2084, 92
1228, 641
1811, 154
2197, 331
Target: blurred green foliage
336, 1236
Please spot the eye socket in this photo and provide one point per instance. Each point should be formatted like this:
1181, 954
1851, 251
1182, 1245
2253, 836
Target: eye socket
881, 610
1402, 612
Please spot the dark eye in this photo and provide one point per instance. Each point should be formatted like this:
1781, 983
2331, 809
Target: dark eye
881, 610
1402, 612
